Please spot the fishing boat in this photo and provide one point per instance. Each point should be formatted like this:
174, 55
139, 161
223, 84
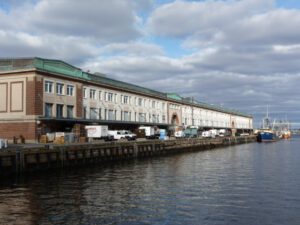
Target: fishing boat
267, 132
266, 135
283, 130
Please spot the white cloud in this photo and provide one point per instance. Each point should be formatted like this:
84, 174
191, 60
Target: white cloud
106, 21
182, 18
19, 44
245, 53
132, 49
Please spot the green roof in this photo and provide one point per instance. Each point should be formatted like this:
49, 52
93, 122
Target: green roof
174, 96
63, 68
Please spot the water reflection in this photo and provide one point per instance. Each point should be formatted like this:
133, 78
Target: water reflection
246, 184
18, 206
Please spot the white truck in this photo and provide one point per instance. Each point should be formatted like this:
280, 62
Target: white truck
214, 133
122, 135
98, 132
129, 135
179, 134
206, 134
149, 131
222, 132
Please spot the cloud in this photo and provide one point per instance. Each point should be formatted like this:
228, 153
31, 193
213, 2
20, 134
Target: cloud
21, 44
183, 18
106, 21
249, 36
240, 54
132, 49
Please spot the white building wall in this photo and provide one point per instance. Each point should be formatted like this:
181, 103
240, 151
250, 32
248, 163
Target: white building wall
209, 118
139, 108
123, 106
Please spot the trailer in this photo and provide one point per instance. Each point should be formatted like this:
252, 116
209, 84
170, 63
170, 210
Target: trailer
98, 132
149, 131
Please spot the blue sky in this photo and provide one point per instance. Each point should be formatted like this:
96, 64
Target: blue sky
242, 54
290, 4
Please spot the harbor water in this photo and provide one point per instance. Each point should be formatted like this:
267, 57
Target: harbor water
255, 183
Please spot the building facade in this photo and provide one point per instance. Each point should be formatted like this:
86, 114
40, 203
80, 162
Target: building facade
41, 95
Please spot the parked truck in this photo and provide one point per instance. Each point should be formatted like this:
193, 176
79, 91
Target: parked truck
122, 135
98, 132
191, 132
149, 132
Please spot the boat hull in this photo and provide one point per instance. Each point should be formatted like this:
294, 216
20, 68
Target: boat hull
266, 136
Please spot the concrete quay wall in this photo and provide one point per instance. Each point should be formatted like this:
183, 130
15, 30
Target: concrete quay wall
28, 159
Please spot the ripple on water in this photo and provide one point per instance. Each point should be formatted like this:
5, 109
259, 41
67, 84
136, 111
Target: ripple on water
245, 184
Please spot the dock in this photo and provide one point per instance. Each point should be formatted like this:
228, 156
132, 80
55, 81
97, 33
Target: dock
17, 160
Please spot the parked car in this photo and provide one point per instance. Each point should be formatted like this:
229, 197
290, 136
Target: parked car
122, 134
129, 135
117, 134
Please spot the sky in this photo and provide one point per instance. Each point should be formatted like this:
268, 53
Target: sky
240, 54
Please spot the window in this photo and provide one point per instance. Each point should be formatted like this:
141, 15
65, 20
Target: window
111, 114
100, 95
70, 90
92, 94
142, 117
126, 116
70, 110
109, 96
59, 88
48, 86
48, 109
85, 112
153, 118
84, 93
162, 106
100, 114
93, 113
140, 101
125, 99
153, 104
164, 119
59, 110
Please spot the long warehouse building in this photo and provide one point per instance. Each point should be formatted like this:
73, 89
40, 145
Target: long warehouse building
42, 95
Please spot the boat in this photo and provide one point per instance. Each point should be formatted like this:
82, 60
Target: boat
267, 132
282, 128
266, 135
286, 134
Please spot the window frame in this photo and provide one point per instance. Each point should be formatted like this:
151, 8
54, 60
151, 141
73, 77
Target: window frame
60, 87
47, 86
70, 88
92, 94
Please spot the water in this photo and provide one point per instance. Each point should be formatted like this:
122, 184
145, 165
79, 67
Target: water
246, 184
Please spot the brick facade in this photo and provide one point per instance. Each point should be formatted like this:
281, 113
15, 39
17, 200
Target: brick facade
79, 97
34, 96
27, 130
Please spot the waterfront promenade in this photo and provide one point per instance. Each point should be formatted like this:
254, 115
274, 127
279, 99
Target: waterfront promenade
27, 158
